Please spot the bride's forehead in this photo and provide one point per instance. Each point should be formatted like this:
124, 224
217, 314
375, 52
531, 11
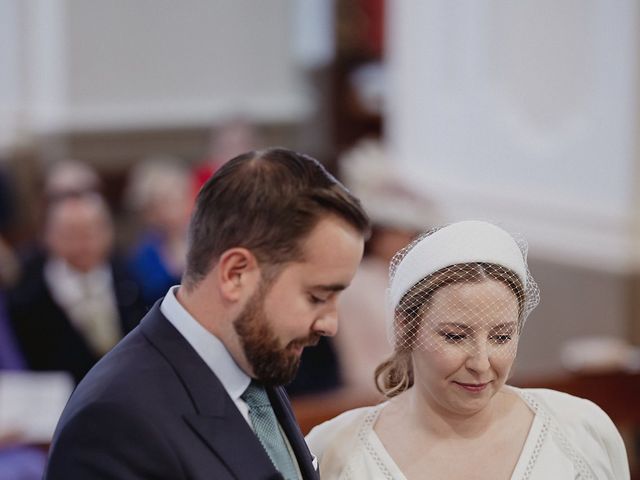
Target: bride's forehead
483, 292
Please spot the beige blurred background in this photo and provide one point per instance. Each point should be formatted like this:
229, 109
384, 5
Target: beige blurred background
523, 113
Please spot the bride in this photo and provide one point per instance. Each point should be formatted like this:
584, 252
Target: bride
460, 295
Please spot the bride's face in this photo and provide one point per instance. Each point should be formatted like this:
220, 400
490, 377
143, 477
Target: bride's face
466, 345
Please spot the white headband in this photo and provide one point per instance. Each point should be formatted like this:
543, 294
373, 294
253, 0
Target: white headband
463, 242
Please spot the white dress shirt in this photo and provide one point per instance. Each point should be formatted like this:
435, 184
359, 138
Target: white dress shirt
213, 352
88, 299
209, 347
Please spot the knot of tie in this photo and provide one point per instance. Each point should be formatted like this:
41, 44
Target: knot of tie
256, 396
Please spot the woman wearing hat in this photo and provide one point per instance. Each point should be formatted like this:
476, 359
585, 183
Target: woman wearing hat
458, 297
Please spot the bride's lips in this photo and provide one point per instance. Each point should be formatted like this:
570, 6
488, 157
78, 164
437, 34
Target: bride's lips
473, 387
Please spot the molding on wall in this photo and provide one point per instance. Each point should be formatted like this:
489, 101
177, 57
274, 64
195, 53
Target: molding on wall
557, 229
185, 114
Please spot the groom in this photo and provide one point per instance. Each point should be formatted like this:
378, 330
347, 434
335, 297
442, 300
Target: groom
195, 391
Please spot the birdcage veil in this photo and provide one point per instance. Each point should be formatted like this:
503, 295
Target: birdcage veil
465, 285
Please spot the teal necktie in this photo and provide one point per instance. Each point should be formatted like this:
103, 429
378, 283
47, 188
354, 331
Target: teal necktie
266, 427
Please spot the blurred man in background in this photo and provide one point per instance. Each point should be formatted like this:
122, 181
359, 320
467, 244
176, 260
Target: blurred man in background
75, 299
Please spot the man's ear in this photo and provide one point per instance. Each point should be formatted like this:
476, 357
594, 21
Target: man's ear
238, 273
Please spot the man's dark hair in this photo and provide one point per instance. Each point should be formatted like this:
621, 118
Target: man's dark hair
267, 201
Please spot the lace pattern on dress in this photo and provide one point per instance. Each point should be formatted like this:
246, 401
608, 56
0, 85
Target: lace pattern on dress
550, 425
364, 433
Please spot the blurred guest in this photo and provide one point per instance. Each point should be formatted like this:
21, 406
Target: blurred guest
9, 264
74, 301
17, 461
70, 177
159, 194
10, 356
7, 201
228, 139
398, 214
55, 180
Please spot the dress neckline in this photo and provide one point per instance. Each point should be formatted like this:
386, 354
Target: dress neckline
522, 470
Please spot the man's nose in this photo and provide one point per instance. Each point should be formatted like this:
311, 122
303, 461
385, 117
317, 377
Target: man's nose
327, 324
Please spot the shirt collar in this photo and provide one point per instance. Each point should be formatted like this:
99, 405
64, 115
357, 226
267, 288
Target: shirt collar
207, 345
61, 270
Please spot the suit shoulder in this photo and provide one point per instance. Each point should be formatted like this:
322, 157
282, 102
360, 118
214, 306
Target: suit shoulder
134, 365
104, 439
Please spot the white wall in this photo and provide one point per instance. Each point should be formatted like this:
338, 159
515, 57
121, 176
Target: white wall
527, 113
522, 112
165, 61
10, 91
90, 64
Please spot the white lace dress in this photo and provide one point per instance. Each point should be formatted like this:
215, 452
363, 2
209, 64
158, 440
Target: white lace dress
570, 438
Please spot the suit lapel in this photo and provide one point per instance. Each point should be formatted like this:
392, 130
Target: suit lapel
214, 416
282, 409
235, 444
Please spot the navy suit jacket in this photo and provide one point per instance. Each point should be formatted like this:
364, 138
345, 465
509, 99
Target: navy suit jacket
152, 409
46, 335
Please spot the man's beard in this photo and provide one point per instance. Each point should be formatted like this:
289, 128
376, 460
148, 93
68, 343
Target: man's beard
272, 364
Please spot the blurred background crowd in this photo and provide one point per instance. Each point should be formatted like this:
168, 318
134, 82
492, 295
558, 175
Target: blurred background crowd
114, 114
